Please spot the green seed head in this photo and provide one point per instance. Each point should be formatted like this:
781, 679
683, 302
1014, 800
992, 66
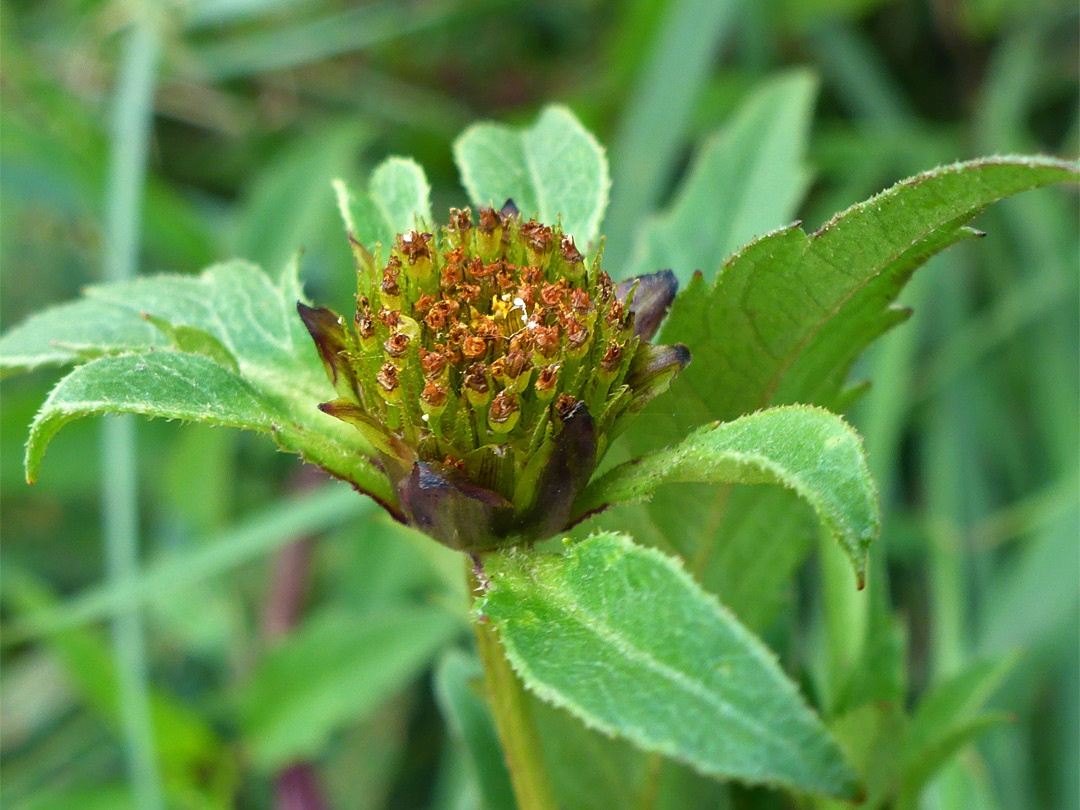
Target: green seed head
474, 349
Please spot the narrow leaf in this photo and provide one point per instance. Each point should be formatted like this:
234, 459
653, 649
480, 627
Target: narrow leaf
809, 450
330, 673
165, 384
622, 637
554, 170
459, 691
747, 178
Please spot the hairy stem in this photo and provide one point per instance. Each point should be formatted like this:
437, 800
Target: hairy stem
513, 718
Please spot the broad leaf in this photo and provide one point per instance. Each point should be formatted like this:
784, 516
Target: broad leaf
167, 384
786, 318
622, 637
553, 169
330, 673
811, 451
397, 200
746, 179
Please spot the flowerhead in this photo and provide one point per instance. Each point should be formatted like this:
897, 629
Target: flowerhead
490, 364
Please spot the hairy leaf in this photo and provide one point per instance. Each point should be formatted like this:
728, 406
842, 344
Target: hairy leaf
330, 673
75, 331
400, 190
168, 384
553, 169
746, 179
622, 637
809, 450
786, 318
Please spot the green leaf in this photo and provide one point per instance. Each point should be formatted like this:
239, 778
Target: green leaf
623, 638
397, 200
459, 681
919, 768
165, 384
947, 718
267, 374
330, 673
748, 177
401, 192
74, 331
754, 330
554, 169
785, 320
809, 450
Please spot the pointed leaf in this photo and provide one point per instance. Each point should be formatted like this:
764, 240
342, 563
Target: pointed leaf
623, 638
554, 170
776, 295
785, 320
746, 179
809, 450
401, 191
231, 313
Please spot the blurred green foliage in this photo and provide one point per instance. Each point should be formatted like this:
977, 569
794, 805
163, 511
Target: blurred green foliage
971, 424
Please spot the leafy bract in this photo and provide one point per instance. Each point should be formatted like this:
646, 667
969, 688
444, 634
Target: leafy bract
786, 318
78, 330
225, 347
622, 637
554, 170
168, 384
809, 450
747, 178
397, 200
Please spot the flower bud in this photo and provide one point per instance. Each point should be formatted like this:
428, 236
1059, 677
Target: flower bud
459, 231
547, 382
652, 371
438, 364
417, 252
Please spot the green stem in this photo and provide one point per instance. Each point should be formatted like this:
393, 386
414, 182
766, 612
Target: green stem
132, 115
513, 719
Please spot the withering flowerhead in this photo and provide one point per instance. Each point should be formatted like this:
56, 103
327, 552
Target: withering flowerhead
491, 364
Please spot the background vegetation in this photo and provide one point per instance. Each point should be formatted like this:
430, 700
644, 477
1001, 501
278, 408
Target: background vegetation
971, 425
